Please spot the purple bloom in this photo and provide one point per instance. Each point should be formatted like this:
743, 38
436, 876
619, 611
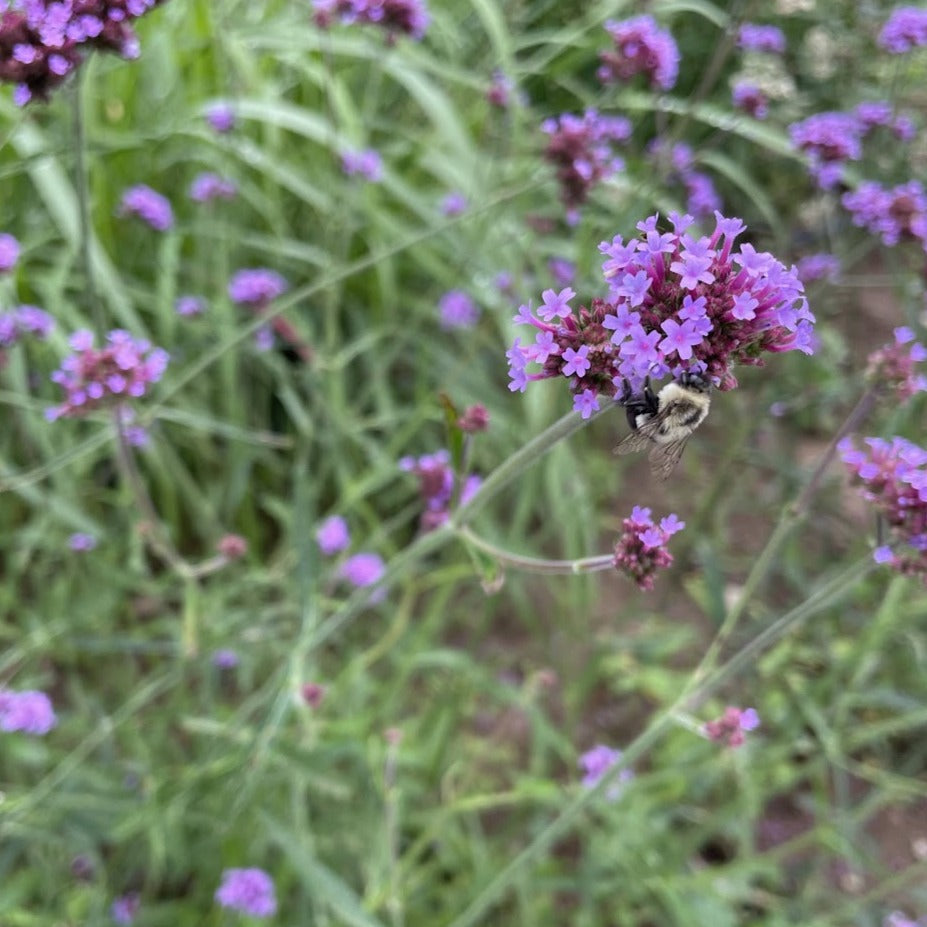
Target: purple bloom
224, 658
749, 98
563, 271
754, 37
555, 305
152, 208
892, 368
256, 286
641, 550
453, 204
576, 362
830, 140
23, 321
9, 252
500, 90
641, 47
406, 17
895, 214
124, 908
209, 186
221, 117
905, 28
586, 403
332, 535
250, 891
30, 712
596, 762
367, 164
437, 482
679, 338
818, 267
189, 305
458, 310
81, 541
362, 569
732, 725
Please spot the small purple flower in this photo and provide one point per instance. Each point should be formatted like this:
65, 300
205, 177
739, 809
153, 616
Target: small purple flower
256, 286
124, 908
586, 403
406, 17
830, 140
905, 28
641, 47
22, 321
221, 117
29, 711
596, 762
563, 271
81, 541
250, 891
453, 204
189, 305
500, 91
332, 535
9, 252
755, 37
366, 163
641, 550
818, 267
458, 310
749, 98
732, 725
576, 362
362, 569
208, 186
150, 206
224, 658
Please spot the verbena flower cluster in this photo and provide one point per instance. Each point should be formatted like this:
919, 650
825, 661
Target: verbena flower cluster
365, 163
893, 476
9, 252
641, 550
595, 763
149, 205
124, 908
732, 725
42, 42
895, 214
676, 303
678, 160
437, 483
250, 891
749, 98
256, 286
892, 367
641, 47
209, 186
405, 17
29, 711
905, 28
23, 321
821, 266
457, 309
92, 377
581, 148
760, 38
361, 569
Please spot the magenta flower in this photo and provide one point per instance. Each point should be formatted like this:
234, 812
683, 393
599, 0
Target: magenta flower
437, 483
208, 186
189, 305
500, 91
830, 140
892, 476
224, 658
676, 303
458, 310
641, 47
152, 208
891, 367
81, 541
29, 711
124, 908
749, 98
250, 891
641, 550
367, 164
905, 28
256, 287
732, 725
332, 535
755, 37
221, 117
595, 763
405, 17
582, 150
24, 321
362, 569
94, 377
9, 252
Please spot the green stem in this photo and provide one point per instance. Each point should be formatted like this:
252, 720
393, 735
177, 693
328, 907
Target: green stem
535, 564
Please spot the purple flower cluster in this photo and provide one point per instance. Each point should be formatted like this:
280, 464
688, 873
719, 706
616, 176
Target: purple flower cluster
891, 367
750, 99
437, 483
405, 17
361, 569
332, 535
500, 90
732, 725
676, 303
875, 113
250, 891
81, 542
208, 186
458, 310
892, 214
94, 377
149, 205
581, 149
821, 266
221, 118
30, 712
759, 38
677, 160
256, 287
893, 476
595, 763
453, 204
42, 42
905, 29
124, 908
9, 252
189, 305
830, 140
641, 550
24, 321
641, 47
366, 163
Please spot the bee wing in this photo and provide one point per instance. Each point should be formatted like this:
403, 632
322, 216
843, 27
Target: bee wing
644, 437
664, 457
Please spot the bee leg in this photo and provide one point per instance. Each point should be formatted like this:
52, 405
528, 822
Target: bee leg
644, 403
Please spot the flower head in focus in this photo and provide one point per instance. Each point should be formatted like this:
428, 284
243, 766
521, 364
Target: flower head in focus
224, 658
895, 214
641, 550
641, 47
187, 306
149, 205
29, 711
732, 725
93, 377
250, 891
